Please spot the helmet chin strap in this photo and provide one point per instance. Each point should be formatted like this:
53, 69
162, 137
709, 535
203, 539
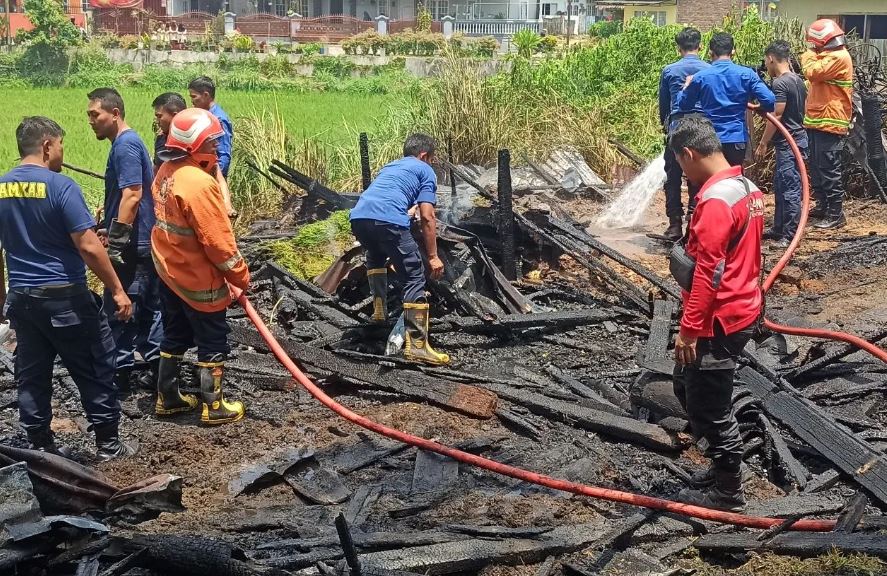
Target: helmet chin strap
207, 161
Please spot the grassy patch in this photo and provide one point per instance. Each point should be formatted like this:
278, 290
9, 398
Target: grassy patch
314, 247
832, 564
332, 118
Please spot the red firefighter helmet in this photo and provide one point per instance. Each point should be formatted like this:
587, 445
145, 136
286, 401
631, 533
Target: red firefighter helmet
188, 130
825, 34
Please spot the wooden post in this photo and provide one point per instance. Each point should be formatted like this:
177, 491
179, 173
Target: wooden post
364, 160
506, 216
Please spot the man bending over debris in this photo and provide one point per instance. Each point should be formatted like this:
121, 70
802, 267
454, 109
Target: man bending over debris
381, 223
722, 302
197, 258
48, 235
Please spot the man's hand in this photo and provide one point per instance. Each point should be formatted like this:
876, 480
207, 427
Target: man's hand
437, 267
685, 350
124, 306
102, 233
761, 151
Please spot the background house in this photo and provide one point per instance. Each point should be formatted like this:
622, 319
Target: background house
867, 17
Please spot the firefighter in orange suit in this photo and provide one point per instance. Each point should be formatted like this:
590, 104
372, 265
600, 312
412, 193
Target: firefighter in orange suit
197, 258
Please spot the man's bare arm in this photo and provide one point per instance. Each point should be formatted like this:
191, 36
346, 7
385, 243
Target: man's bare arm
429, 235
129, 204
96, 258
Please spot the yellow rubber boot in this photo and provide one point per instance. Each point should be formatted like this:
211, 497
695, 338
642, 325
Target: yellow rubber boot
216, 410
417, 348
378, 280
169, 399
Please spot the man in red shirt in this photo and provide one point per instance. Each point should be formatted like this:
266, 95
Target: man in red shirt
721, 306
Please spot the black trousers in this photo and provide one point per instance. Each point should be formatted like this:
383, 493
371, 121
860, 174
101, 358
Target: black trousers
705, 390
826, 176
674, 177
734, 153
383, 242
70, 323
184, 327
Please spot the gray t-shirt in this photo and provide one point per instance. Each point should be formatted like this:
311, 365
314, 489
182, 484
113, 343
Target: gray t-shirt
790, 88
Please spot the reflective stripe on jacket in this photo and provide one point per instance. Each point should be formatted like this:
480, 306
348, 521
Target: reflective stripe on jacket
829, 100
192, 242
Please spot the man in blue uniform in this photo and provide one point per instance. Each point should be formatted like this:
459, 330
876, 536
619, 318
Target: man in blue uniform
202, 91
671, 82
48, 235
381, 223
128, 219
722, 91
166, 106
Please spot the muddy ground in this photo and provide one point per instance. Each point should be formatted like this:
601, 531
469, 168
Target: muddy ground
819, 289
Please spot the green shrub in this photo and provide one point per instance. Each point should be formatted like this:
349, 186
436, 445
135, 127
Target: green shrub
309, 48
315, 246
527, 42
605, 28
333, 66
548, 43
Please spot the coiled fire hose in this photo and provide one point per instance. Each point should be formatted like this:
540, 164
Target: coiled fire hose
574, 487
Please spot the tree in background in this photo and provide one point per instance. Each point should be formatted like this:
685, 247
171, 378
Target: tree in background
46, 59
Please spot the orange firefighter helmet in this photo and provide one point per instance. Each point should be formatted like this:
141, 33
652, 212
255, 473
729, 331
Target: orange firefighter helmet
825, 34
188, 131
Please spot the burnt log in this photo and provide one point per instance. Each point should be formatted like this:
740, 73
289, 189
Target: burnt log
781, 457
803, 544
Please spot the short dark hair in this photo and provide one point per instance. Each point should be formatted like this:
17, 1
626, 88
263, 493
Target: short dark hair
32, 131
417, 143
203, 84
109, 98
721, 44
688, 39
170, 101
779, 49
696, 132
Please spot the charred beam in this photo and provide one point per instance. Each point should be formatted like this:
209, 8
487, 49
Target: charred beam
804, 544
506, 215
364, 145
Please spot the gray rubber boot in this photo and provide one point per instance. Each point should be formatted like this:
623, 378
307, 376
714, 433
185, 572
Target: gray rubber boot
725, 494
706, 477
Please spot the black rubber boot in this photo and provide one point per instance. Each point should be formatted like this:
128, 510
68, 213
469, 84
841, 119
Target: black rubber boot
169, 399
378, 281
44, 440
725, 494
831, 222
216, 410
675, 228
122, 381
147, 379
108, 443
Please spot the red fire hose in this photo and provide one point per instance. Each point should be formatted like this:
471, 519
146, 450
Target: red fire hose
573, 487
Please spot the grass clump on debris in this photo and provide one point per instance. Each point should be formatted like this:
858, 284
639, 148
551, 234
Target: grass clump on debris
832, 564
314, 247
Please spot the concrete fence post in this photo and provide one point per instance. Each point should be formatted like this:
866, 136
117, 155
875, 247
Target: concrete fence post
382, 25
230, 24
448, 26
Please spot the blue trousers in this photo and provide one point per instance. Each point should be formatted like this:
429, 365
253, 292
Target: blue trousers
68, 322
383, 242
184, 327
144, 331
787, 189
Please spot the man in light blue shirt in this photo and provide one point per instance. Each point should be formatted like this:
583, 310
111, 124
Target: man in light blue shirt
202, 91
723, 91
381, 223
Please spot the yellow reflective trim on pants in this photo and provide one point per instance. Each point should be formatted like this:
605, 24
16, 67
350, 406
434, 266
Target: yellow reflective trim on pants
230, 262
174, 229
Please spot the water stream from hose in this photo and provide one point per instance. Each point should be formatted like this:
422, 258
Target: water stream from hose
627, 209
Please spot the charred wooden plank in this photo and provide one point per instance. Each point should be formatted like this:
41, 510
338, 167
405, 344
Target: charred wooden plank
433, 471
851, 515
853, 456
655, 356
804, 504
621, 427
471, 555
822, 482
547, 320
792, 469
804, 544
599, 402
837, 354
468, 400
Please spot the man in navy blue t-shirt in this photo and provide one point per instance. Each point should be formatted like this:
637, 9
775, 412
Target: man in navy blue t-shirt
129, 218
47, 233
381, 223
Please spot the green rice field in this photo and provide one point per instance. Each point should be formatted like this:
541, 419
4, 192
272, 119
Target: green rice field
329, 117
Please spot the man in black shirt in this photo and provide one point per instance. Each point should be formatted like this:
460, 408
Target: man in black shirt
166, 106
791, 97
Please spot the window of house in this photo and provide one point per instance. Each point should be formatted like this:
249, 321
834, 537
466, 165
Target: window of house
280, 8
195, 6
549, 8
657, 16
868, 26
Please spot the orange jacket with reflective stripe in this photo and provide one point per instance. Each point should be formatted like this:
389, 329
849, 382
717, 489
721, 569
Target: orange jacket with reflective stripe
192, 242
829, 100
